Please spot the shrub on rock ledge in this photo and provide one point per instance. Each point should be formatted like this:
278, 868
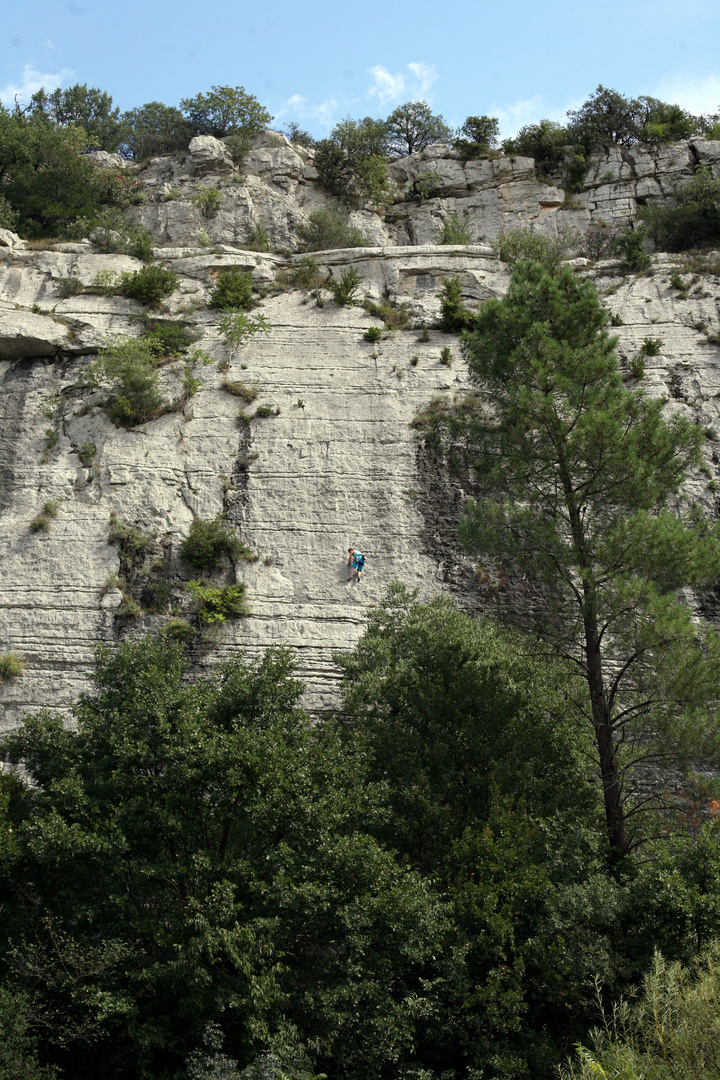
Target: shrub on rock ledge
11, 666
208, 541
233, 291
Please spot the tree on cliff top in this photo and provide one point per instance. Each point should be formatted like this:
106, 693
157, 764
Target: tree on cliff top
413, 127
578, 475
224, 111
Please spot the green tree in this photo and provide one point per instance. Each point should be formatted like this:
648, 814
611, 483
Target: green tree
351, 162
225, 110
466, 726
88, 109
195, 854
454, 710
545, 142
477, 137
47, 179
606, 118
578, 476
662, 122
693, 220
154, 129
413, 127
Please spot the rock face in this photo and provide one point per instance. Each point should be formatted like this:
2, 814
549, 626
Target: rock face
325, 456
276, 188
330, 458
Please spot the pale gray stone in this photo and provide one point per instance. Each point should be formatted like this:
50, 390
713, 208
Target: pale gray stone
210, 155
24, 334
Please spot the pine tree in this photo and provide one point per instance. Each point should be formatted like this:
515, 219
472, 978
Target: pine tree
580, 479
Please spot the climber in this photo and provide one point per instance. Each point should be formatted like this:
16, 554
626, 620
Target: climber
356, 562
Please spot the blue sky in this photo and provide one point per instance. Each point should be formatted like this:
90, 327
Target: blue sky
320, 61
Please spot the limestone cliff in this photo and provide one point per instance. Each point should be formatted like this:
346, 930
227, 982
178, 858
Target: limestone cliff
334, 462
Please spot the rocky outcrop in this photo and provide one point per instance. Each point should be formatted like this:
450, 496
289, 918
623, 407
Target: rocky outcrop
276, 188
330, 459
209, 155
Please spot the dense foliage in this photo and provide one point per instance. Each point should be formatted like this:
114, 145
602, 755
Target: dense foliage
198, 878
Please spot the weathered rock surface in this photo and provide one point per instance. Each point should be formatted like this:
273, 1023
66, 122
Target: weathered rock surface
276, 188
209, 155
338, 464
24, 334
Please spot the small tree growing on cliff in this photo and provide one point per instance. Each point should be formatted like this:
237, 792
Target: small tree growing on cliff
413, 127
225, 110
577, 474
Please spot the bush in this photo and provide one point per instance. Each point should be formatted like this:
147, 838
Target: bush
208, 201
131, 365
208, 541
544, 141
178, 630
237, 328
428, 185
217, 603
521, 244
670, 1031
149, 285
597, 241
372, 334
328, 229
86, 452
693, 221
264, 412
258, 239
8, 217
41, 523
477, 137
131, 542
167, 337
395, 316
111, 234
651, 347
446, 356
344, 288
247, 391
305, 273
454, 316
156, 596
69, 284
233, 290
11, 666
630, 246
455, 231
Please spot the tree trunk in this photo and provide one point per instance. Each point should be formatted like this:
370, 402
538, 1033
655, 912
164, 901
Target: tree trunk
609, 772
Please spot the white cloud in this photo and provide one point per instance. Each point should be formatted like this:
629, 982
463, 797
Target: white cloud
518, 114
30, 83
49, 44
696, 95
387, 87
426, 76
